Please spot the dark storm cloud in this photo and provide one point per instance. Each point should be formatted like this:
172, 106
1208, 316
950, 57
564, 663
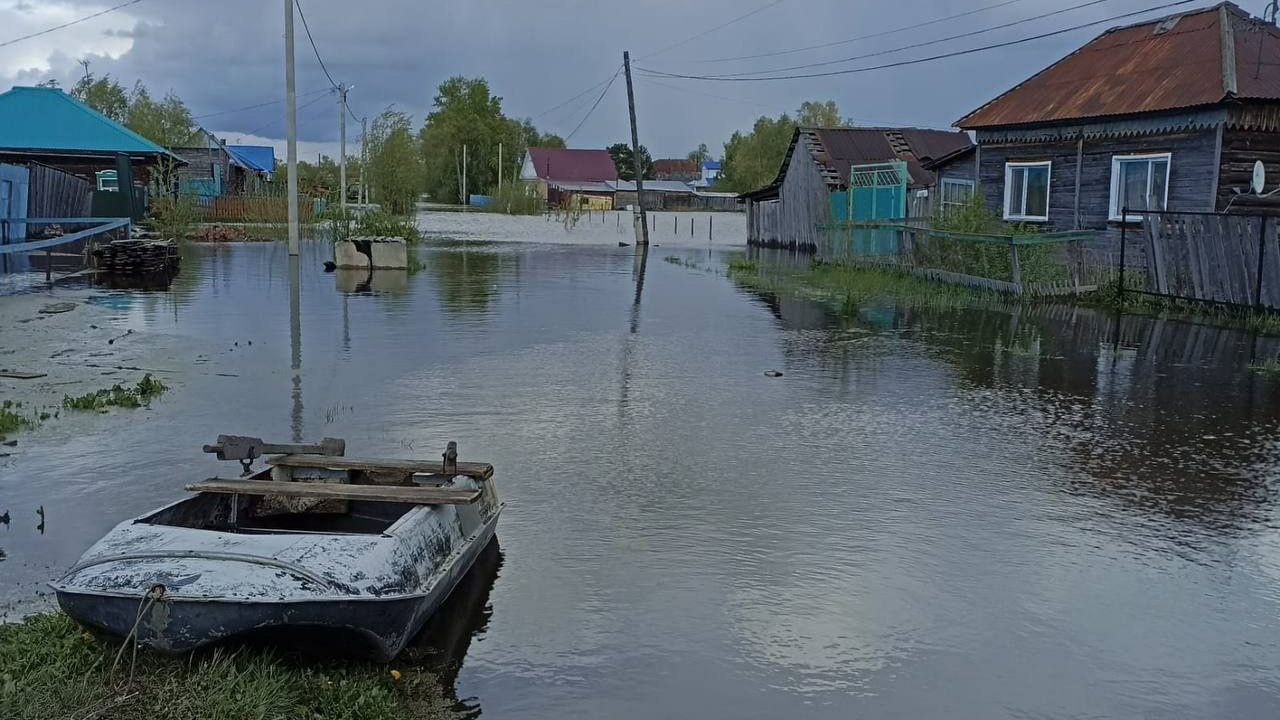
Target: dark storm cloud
220, 56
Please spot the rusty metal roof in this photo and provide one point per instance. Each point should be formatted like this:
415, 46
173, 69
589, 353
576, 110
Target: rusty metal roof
1202, 57
840, 148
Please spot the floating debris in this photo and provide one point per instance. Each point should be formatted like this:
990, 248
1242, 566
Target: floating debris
56, 308
773, 373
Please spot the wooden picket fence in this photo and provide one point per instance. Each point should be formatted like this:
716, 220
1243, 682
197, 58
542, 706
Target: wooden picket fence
1229, 259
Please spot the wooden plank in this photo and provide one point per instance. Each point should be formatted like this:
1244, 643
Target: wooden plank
335, 491
19, 375
480, 471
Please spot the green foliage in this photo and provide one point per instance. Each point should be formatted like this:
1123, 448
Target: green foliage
752, 160
166, 122
387, 225
11, 420
394, 169
701, 154
550, 140
820, 114
337, 224
117, 396
1270, 366
103, 94
518, 198
172, 216
51, 668
624, 161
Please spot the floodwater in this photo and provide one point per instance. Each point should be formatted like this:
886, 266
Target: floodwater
934, 512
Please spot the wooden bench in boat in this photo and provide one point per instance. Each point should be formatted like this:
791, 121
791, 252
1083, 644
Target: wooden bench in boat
479, 471
341, 491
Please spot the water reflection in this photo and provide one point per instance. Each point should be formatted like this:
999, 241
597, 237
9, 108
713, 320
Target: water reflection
371, 281
465, 275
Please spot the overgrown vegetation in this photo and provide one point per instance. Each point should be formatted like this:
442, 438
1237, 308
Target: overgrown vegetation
117, 396
1037, 263
10, 419
51, 668
338, 224
517, 198
166, 122
847, 286
1270, 366
172, 217
394, 169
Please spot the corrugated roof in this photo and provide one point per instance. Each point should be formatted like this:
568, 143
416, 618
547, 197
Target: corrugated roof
667, 186
586, 186
840, 148
1202, 57
566, 165
49, 120
259, 157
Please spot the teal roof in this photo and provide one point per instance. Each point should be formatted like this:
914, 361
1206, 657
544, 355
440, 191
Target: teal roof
47, 119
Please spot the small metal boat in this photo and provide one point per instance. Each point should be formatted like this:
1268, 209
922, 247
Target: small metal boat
316, 540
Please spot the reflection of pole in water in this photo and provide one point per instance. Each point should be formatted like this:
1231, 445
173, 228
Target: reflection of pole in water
346, 323
295, 347
637, 273
628, 343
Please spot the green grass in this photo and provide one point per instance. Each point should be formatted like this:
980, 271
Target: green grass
117, 396
10, 419
51, 668
1270, 366
1245, 318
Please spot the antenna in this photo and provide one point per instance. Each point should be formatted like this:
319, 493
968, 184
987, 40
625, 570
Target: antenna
1270, 12
1259, 178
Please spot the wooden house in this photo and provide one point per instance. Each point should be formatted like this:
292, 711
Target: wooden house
815, 172
677, 170
561, 174
1164, 114
213, 168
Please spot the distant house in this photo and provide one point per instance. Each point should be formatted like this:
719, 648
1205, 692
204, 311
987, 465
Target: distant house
213, 169
678, 169
658, 195
816, 172
710, 174
1164, 114
561, 173
55, 151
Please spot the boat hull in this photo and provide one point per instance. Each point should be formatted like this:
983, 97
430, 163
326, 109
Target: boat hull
178, 624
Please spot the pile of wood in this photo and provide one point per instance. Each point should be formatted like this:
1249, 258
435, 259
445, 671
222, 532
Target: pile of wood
138, 257
218, 233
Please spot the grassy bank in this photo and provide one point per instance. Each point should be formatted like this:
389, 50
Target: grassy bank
51, 668
846, 287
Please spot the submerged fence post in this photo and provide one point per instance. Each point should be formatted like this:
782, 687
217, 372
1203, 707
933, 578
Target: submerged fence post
1262, 255
1015, 268
1124, 213
711, 225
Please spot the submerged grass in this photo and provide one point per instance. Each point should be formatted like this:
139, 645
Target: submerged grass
1270, 366
51, 668
117, 396
10, 419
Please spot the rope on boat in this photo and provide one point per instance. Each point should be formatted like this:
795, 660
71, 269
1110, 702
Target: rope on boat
154, 593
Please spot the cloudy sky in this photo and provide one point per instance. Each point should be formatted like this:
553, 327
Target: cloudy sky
226, 55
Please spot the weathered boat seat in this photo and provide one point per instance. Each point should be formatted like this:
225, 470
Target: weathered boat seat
479, 471
341, 491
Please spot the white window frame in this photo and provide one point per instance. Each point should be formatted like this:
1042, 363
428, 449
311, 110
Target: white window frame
942, 190
1009, 168
1114, 213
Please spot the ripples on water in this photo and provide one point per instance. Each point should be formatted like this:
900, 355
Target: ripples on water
933, 513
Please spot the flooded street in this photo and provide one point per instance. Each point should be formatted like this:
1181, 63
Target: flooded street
960, 513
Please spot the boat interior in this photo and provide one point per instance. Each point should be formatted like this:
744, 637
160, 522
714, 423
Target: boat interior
249, 514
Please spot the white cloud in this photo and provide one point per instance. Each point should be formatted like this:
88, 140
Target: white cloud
105, 37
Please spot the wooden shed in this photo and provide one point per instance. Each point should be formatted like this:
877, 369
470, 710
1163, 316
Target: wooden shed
815, 172
1166, 114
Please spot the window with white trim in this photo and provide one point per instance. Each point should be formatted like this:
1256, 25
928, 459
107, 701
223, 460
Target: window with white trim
1026, 190
1139, 182
955, 193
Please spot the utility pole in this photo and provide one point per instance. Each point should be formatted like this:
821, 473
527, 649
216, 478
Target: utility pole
364, 158
342, 144
291, 123
642, 238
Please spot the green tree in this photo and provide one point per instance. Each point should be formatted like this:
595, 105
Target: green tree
550, 140
166, 123
394, 172
701, 155
466, 114
103, 94
751, 160
819, 114
624, 161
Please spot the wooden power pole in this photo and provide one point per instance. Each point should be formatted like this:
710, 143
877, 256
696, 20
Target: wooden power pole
642, 237
342, 145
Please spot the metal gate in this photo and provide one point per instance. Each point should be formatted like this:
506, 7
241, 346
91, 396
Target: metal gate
877, 191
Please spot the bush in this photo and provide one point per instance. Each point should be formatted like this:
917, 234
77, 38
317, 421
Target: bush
515, 199
173, 217
387, 225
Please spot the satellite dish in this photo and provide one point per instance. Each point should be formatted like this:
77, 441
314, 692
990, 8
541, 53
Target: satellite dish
1259, 177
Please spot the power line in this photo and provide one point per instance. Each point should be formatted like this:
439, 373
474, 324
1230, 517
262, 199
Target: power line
699, 93
868, 36
271, 122
927, 43
704, 33
55, 28
575, 97
918, 61
312, 40
269, 103
593, 107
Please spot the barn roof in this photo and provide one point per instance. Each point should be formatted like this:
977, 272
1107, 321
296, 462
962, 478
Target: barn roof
835, 150
1198, 58
566, 165
671, 166
47, 120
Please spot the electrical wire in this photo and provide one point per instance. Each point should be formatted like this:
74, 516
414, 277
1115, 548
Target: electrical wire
708, 31
926, 43
312, 40
917, 61
593, 107
273, 121
699, 93
868, 36
55, 28
255, 107
575, 97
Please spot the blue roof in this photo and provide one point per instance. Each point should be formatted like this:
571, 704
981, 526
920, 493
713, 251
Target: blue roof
47, 119
261, 157
711, 165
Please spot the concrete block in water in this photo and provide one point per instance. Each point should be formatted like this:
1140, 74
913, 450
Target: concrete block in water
362, 253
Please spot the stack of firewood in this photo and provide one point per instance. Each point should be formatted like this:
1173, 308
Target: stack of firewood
138, 257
